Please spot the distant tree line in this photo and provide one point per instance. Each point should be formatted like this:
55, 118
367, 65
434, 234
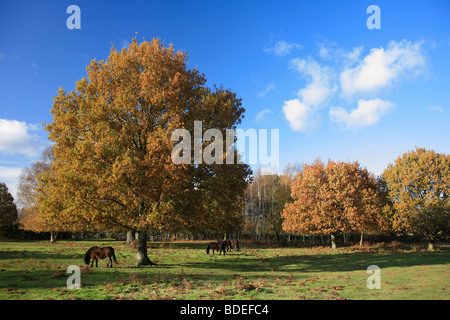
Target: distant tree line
341, 199
310, 204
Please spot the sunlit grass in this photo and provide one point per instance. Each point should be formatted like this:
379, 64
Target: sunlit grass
37, 270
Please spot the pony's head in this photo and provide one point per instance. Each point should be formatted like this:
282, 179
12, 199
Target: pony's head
87, 257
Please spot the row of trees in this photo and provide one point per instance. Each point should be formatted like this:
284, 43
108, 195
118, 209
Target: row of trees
411, 196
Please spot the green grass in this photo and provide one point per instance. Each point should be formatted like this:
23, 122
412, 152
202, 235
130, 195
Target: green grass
37, 270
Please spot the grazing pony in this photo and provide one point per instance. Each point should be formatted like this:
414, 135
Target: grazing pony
96, 253
218, 246
235, 245
227, 244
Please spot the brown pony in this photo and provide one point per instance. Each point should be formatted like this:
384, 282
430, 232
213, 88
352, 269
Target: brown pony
218, 246
96, 253
235, 245
227, 244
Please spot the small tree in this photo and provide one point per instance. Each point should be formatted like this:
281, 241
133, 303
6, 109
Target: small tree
8, 212
419, 187
338, 198
266, 197
31, 217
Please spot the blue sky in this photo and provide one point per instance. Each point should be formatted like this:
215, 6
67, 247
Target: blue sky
312, 69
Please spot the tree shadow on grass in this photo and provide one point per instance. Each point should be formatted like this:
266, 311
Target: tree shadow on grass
28, 279
38, 255
214, 270
179, 245
336, 262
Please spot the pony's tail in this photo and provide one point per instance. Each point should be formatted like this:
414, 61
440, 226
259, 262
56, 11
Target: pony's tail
207, 250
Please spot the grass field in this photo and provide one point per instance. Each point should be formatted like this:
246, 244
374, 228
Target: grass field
37, 270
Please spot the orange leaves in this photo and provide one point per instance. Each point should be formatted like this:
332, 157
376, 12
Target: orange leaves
339, 197
112, 139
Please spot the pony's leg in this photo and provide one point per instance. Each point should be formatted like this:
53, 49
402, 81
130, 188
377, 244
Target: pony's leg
110, 262
96, 262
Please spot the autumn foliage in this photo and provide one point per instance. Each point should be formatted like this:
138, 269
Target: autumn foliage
335, 198
418, 184
112, 135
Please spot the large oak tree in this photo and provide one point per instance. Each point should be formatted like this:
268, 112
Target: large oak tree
113, 144
335, 198
418, 185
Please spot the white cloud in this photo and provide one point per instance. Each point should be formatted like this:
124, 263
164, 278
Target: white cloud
319, 89
310, 68
314, 93
283, 48
17, 137
380, 68
353, 56
35, 67
350, 74
325, 50
299, 115
436, 108
10, 176
260, 116
367, 113
328, 50
268, 88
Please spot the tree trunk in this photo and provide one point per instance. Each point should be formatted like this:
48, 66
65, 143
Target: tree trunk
430, 245
130, 237
53, 235
361, 241
277, 235
333, 242
141, 256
